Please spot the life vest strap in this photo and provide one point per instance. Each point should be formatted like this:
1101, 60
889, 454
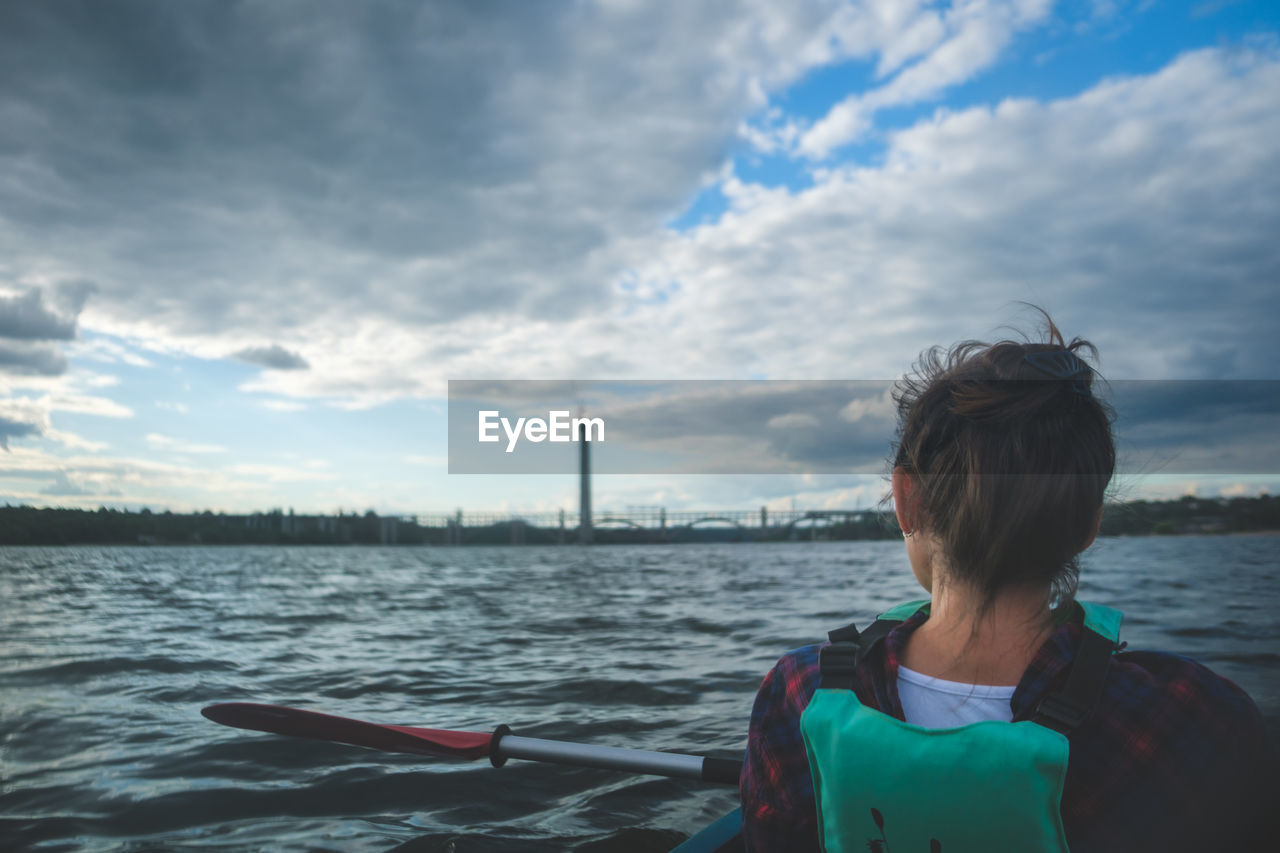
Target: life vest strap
840, 660
1066, 710
837, 663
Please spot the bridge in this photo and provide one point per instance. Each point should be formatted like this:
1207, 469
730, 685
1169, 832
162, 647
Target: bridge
649, 518
644, 523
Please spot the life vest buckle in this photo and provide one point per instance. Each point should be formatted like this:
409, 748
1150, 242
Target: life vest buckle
1065, 715
838, 663
838, 659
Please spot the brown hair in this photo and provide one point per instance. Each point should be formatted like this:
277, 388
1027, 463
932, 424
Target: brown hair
1011, 460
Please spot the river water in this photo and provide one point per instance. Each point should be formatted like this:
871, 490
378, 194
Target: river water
108, 654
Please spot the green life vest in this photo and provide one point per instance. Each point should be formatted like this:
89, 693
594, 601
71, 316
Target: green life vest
891, 787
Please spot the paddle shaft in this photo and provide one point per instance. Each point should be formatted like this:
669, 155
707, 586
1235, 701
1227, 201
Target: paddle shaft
706, 769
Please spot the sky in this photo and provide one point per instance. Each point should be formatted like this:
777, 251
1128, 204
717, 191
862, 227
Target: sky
245, 246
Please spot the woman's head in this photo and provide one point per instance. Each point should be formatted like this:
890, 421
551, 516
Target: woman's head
1003, 456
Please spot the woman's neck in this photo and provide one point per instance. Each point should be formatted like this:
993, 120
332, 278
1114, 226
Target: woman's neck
957, 644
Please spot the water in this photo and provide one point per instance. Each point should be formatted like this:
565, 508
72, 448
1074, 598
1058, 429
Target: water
107, 655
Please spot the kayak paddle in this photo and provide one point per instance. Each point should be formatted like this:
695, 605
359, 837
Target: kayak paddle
497, 746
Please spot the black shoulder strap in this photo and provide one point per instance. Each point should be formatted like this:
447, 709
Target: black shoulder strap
839, 661
1066, 709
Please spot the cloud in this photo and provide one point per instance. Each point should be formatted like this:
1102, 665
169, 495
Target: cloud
1198, 427
12, 428
881, 409
1140, 213
282, 473
24, 416
128, 480
334, 172
97, 380
953, 47
177, 445
31, 360
26, 317
413, 193
274, 357
84, 404
27, 363
26, 322
63, 487
792, 420
104, 349
73, 441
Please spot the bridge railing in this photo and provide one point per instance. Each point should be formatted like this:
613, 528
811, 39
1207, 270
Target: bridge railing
644, 518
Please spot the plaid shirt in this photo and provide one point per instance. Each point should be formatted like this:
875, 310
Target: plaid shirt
1175, 757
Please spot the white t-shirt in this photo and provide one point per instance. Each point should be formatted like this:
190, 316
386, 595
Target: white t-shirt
938, 704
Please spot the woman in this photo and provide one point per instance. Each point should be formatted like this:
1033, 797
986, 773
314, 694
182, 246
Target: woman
1001, 714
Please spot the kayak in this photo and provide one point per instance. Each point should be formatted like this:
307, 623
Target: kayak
723, 836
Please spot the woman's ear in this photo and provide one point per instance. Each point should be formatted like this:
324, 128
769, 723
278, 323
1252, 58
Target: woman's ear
904, 487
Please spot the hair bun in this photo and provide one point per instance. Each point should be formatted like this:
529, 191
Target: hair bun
1065, 365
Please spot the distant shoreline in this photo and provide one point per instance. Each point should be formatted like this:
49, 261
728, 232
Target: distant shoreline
1225, 534
26, 525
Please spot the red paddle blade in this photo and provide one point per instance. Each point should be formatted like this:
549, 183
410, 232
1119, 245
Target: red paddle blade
298, 723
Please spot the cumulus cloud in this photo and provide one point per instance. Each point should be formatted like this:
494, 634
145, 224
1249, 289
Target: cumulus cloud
282, 473
1140, 212
26, 316
107, 350
31, 359
793, 420
13, 428
354, 174
62, 486
274, 357
30, 475
73, 441
24, 416
1144, 205
27, 322
953, 46
85, 404
412, 194
416, 162
880, 408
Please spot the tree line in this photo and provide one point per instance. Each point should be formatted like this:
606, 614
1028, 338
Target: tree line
26, 525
